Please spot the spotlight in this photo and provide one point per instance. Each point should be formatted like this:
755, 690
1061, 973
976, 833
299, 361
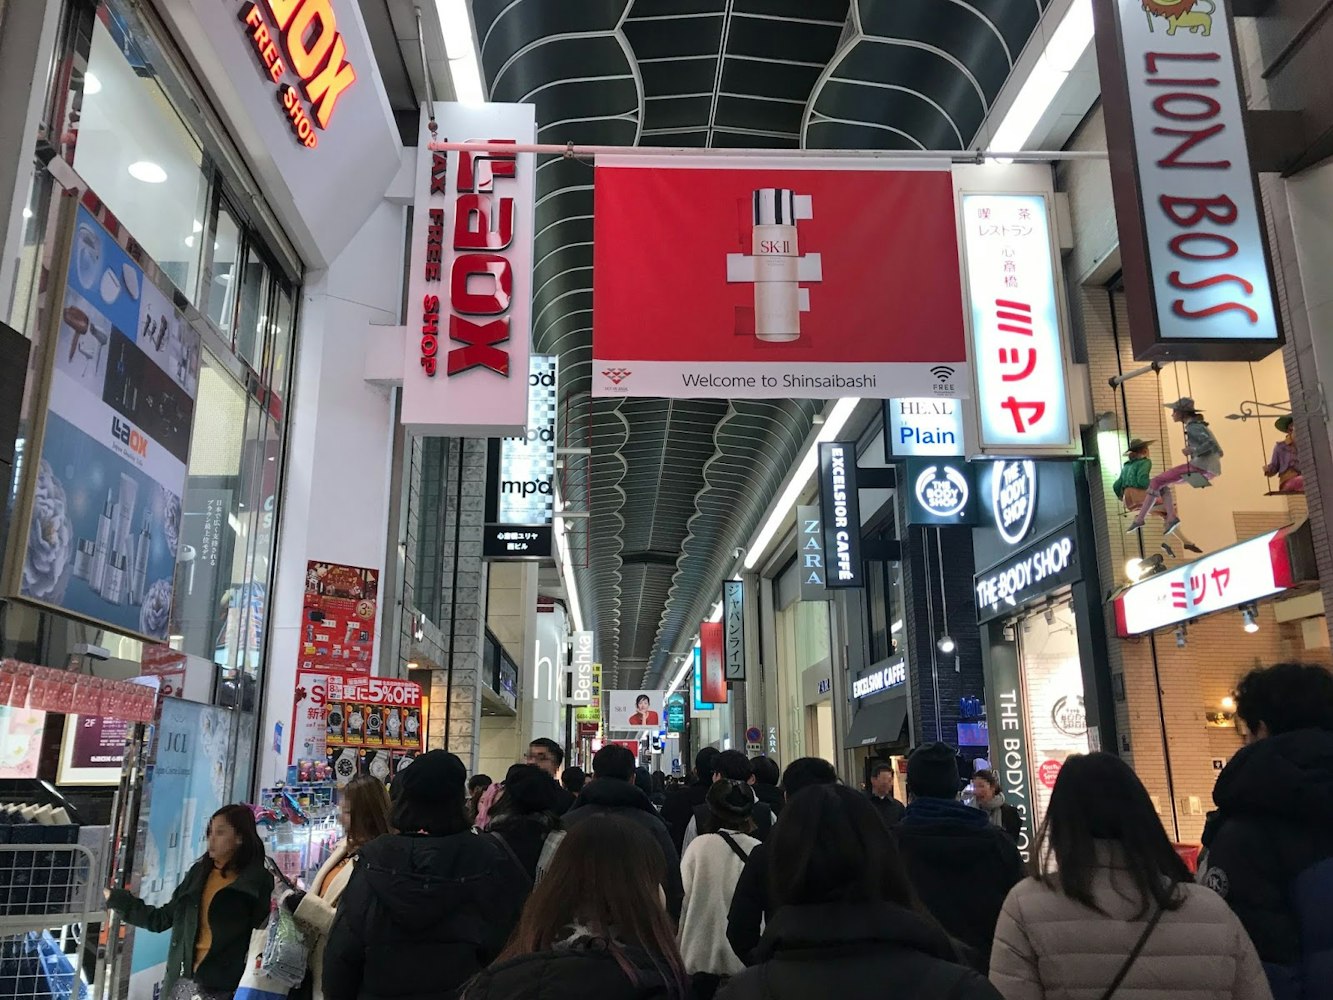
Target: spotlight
1228, 703
1050, 616
945, 644
1141, 569
1181, 641
1249, 613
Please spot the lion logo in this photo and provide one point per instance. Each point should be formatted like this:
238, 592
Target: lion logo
1182, 14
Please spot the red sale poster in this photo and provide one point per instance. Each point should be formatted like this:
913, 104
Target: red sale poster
806, 278
711, 663
338, 621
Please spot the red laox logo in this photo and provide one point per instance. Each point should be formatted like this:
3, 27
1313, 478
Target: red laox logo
617, 375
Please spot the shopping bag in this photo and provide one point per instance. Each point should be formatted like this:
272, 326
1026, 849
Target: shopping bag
255, 984
286, 953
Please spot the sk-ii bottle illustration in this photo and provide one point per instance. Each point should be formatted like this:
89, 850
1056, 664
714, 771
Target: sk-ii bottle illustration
776, 267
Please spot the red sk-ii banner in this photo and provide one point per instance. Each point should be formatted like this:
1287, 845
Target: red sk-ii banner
775, 278
712, 662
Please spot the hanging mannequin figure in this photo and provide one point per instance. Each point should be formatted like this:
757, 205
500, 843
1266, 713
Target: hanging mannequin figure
1131, 486
1286, 461
1203, 463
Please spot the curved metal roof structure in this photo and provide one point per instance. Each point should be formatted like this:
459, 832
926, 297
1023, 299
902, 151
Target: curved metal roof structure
676, 486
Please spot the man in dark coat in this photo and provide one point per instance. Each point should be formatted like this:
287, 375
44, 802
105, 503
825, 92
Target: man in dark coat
549, 755
729, 765
612, 790
881, 794
1269, 845
961, 866
680, 804
767, 777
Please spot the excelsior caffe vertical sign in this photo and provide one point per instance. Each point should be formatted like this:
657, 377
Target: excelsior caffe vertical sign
841, 514
1198, 279
470, 287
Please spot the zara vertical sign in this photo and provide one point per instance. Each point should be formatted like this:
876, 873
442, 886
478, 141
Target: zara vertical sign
810, 560
841, 513
1198, 277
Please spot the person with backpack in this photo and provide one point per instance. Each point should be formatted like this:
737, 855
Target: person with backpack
1268, 848
710, 869
846, 924
1113, 909
595, 927
525, 817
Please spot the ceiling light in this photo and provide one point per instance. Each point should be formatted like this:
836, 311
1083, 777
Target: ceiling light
147, 171
716, 614
189, 241
460, 46
198, 226
1248, 614
91, 85
27, 213
945, 644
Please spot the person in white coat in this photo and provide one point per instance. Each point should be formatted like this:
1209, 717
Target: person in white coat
1114, 913
363, 813
710, 869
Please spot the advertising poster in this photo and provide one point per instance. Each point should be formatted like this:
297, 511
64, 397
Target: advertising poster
92, 750
813, 279
636, 709
203, 569
338, 619
188, 782
520, 481
310, 718
104, 526
20, 741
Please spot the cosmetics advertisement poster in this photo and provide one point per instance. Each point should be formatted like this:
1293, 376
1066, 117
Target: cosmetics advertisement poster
814, 279
105, 515
338, 620
20, 741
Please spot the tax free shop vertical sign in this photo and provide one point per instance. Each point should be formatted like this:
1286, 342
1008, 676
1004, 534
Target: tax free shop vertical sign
465, 370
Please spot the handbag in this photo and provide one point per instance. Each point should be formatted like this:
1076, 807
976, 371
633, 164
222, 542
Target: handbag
1134, 954
286, 954
255, 983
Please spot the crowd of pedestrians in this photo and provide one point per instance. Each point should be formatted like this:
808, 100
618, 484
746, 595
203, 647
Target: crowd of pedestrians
746, 883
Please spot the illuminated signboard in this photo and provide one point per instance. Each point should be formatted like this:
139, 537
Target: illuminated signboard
520, 480
940, 491
699, 706
1044, 566
810, 558
299, 40
1018, 358
470, 284
733, 628
1014, 499
884, 679
840, 509
923, 426
1193, 247
583, 690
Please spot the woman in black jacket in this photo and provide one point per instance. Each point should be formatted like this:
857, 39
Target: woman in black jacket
525, 815
224, 897
846, 923
428, 907
596, 926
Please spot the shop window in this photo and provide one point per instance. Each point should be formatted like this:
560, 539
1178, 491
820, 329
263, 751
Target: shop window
252, 322
280, 349
884, 609
223, 256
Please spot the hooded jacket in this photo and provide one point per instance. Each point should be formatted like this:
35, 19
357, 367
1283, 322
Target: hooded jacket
421, 916
961, 866
855, 951
575, 969
621, 798
1051, 947
1268, 851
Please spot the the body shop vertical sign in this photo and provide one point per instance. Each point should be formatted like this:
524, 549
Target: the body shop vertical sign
733, 628
841, 512
1198, 277
470, 286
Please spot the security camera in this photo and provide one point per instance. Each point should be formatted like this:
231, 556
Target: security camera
92, 652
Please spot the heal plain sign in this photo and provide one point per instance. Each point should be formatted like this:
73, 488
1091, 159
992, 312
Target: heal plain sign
1198, 278
465, 370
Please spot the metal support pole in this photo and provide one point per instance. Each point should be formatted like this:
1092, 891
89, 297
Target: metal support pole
575, 152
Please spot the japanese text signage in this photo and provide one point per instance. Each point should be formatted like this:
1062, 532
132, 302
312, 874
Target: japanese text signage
923, 426
470, 286
675, 714
841, 511
338, 617
733, 628
372, 712
884, 679
940, 491
581, 691
1046, 565
520, 481
712, 663
1018, 360
1198, 278
1254, 569
810, 557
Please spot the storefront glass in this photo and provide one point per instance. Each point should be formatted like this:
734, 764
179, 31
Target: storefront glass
803, 642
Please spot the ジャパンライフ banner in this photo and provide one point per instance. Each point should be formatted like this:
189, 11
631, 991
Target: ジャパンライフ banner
776, 278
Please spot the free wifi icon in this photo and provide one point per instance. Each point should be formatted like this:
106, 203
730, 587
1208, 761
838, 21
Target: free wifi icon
942, 372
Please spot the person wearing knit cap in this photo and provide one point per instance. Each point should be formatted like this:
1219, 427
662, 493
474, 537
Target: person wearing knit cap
1286, 462
526, 814
429, 907
961, 866
710, 869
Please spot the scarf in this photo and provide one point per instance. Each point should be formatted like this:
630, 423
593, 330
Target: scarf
993, 808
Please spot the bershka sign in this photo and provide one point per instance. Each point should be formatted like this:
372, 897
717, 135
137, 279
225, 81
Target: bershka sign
300, 39
733, 628
1198, 277
841, 509
810, 559
1250, 571
581, 686
520, 481
891, 676
470, 286
1048, 564
923, 425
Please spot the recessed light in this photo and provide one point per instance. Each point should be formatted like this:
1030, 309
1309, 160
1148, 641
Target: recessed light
198, 226
27, 213
147, 171
189, 241
91, 85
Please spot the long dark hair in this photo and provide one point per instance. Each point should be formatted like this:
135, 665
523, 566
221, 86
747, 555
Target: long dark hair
367, 809
607, 876
1099, 797
251, 850
831, 846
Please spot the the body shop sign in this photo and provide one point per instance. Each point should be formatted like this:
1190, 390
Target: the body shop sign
1198, 279
470, 287
841, 513
1044, 566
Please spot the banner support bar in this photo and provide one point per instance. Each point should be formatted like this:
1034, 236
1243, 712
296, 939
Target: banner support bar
572, 151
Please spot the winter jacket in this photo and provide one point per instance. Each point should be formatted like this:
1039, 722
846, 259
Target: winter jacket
749, 906
620, 798
890, 809
316, 911
421, 916
855, 951
680, 806
771, 796
236, 910
1051, 947
1134, 475
961, 866
1268, 851
1204, 451
710, 869
525, 835
574, 970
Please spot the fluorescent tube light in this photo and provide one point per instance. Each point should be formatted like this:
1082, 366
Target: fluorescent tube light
461, 47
